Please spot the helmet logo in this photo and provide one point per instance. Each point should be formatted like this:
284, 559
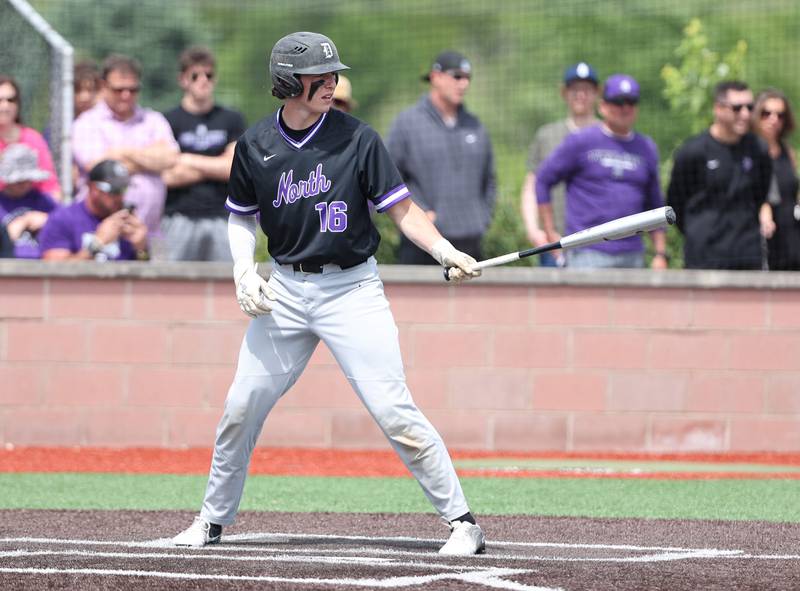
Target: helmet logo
327, 50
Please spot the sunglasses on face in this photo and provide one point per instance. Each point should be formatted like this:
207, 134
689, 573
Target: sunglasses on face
781, 115
121, 89
629, 102
459, 75
107, 188
209, 76
737, 108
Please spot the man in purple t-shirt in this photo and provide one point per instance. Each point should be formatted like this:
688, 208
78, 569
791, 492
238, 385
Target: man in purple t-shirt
23, 207
100, 227
610, 171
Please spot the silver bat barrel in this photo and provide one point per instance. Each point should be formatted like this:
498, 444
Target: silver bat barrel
621, 228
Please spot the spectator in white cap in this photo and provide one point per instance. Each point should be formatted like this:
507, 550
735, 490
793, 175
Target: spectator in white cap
24, 208
579, 92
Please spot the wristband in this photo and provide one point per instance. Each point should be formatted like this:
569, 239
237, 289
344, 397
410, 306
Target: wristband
95, 247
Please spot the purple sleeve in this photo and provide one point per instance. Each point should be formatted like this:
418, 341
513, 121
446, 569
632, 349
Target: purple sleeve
560, 165
56, 233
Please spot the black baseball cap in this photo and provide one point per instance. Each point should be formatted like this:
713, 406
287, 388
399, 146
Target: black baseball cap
110, 176
449, 60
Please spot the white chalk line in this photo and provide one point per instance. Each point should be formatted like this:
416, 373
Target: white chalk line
348, 560
376, 556
489, 578
482, 575
287, 537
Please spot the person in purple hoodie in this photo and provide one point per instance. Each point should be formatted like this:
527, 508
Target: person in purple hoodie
100, 227
610, 171
24, 209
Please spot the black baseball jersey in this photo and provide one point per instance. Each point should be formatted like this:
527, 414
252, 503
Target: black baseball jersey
716, 190
313, 194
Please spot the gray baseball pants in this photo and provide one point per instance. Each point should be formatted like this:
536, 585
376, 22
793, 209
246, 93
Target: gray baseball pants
347, 309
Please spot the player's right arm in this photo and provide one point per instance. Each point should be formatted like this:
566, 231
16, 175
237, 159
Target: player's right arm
252, 291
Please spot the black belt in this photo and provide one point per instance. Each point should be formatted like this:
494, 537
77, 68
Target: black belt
317, 268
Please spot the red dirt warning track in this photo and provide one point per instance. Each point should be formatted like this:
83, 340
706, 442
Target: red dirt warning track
359, 463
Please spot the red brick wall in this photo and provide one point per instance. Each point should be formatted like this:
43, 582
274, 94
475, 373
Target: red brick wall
518, 364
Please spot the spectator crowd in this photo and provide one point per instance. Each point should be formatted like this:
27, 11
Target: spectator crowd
154, 185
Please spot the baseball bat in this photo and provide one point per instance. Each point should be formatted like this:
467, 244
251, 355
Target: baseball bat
613, 230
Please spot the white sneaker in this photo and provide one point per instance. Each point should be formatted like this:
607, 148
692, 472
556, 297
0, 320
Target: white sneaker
199, 534
466, 539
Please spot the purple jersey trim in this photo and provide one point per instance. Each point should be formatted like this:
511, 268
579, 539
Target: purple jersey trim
394, 196
306, 139
234, 207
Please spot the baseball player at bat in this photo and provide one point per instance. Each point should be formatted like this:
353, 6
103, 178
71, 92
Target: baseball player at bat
307, 173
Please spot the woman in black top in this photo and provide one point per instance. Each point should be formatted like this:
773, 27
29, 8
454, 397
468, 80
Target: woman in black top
773, 121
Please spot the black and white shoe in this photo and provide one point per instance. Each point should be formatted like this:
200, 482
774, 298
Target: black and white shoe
466, 539
200, 533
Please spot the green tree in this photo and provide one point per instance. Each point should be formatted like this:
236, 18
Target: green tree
688, 87
151, 31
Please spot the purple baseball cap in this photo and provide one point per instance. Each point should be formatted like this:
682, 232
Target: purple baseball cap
620, 87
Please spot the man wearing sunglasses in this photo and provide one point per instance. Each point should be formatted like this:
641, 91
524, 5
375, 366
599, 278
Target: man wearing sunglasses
610, 171
195, 224
117, 128
720, 180
101, 227
444, 155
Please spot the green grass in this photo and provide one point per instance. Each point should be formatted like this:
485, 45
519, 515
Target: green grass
768, 500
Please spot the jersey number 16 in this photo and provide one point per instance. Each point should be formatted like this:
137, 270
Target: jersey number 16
332, 216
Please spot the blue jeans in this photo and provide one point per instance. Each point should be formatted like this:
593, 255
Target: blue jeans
547, 260
588, 258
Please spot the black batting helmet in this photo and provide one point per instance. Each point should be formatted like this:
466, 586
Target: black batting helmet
301, 53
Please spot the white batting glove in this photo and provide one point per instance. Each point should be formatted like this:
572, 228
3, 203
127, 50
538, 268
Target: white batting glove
459, 265
252, 292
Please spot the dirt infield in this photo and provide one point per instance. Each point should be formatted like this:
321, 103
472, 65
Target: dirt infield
113, 550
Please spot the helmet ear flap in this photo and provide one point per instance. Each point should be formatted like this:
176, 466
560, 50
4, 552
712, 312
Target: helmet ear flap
285, 86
